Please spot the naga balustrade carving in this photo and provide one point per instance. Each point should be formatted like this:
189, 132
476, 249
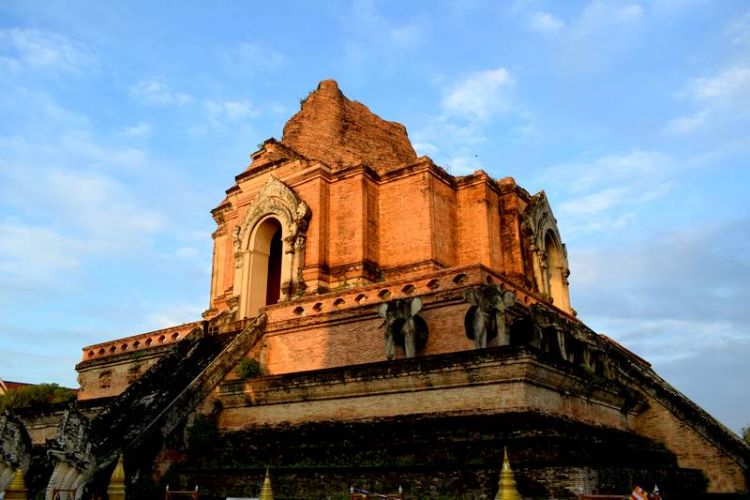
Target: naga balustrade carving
15, 448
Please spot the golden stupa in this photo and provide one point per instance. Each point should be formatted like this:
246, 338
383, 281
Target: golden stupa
507, 489
17, 490
266, 493
116, 488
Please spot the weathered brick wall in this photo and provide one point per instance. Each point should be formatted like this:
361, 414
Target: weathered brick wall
347, 221
405, 221
486, 382
443, 221
367, 225
111, 377
693, 449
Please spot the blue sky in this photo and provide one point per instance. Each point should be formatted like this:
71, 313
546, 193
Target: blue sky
123, 123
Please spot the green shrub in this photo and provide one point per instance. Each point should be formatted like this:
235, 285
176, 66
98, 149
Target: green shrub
36, 397
248, 368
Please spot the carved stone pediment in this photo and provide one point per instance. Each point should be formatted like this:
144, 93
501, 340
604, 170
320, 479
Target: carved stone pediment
538, 220
277, 199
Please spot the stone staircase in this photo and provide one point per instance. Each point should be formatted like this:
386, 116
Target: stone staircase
152, 407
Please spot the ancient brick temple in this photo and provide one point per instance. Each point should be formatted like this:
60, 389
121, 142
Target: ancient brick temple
376, 322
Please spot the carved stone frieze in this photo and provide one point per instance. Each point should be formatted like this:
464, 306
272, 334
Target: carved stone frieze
275, 198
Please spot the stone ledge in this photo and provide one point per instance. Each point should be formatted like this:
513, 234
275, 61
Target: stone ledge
491, 380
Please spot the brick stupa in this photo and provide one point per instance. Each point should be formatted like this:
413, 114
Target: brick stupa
376, 323
336, 131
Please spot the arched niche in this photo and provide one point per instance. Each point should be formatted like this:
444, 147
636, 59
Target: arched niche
548, 255
269, 249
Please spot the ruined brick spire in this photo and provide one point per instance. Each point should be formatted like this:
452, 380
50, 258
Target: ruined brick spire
336, 131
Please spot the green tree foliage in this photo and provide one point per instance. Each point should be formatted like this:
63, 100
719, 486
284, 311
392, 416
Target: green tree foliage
248, 368
746, 434
36, 397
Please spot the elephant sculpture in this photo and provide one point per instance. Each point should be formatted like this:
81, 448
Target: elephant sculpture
403, 326
486, 318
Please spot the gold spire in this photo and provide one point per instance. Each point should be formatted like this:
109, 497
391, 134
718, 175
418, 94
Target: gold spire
507, 488
266, 493
116, 489
17, 488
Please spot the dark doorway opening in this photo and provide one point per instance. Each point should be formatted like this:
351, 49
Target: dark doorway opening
273, 285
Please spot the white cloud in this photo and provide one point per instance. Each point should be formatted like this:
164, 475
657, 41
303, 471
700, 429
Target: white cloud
686, 124
730, 85
156, 93
97, 210
81, 145
480, 95
250, 56
231, 110
546, 22
142, 129
32, 256
174, 314
469, 106
375, 39
673, 295
599, 16
739, 30
628, 13
720, 99
607, 191
43, 51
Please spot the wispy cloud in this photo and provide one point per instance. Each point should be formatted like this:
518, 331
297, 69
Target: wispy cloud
739, 30
686, 124
252, 56
174, 314
719, 99
597, 17
140, 130
373, 38
600, 15
35, 257
727, 87
469, 106
677, 295
230, 109
95, 211
546, 22
608, 191
43, 51
208, 114
157, 93
480, 95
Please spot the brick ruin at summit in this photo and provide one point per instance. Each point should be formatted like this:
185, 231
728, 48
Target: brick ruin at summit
374, 322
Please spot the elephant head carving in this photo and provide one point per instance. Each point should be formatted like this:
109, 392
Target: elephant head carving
403, 326
486, 318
